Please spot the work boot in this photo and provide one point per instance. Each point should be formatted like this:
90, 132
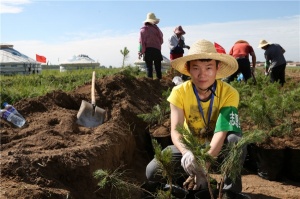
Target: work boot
233, 195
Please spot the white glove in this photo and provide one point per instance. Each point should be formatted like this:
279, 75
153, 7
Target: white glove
200, 179
187, 162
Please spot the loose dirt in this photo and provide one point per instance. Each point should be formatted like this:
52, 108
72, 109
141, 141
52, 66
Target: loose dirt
53, 157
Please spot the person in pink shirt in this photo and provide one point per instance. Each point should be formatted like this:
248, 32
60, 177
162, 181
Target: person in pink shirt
151, 39
241, 51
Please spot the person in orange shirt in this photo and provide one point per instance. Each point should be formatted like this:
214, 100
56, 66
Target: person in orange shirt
241, 51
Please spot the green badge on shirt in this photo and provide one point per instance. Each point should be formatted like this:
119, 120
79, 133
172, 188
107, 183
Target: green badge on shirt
228, 120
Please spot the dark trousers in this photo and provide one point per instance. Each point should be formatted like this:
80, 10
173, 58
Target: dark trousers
152, 168
278, 73
153, 55
244, 68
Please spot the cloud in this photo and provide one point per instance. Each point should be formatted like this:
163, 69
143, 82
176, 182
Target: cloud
105, 48
12, 6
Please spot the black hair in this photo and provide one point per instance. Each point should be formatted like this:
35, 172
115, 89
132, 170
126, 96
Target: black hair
202, 60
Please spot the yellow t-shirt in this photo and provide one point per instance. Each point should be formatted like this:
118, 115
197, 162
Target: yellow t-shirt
224, 116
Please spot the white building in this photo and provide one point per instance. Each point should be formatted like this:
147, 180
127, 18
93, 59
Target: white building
78, 62
14, 62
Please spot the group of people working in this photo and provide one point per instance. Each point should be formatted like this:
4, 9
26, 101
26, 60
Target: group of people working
151, 40
204, 104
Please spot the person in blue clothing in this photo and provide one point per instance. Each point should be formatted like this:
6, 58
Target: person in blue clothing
275, 59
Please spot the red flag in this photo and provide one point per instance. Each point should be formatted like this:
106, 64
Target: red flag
40, 58
219, 48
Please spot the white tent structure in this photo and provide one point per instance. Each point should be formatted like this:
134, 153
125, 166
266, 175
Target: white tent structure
78, 62
165, 64
14, 62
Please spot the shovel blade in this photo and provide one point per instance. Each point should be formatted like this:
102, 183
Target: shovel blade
88, 116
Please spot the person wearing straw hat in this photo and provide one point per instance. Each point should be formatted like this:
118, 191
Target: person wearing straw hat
275, 61
151, 39
241, 51
177, 45
208, 108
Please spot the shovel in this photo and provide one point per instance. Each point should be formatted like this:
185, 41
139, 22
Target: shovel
89, 115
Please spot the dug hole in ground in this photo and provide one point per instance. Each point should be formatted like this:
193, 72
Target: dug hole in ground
54, 157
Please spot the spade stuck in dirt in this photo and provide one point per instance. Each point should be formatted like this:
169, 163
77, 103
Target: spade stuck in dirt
90, 115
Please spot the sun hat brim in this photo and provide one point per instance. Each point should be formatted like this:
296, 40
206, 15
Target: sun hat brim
179, 32
152, 21
263, 45
227, 65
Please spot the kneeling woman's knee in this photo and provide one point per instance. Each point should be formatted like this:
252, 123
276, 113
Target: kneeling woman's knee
233, 137
151, 170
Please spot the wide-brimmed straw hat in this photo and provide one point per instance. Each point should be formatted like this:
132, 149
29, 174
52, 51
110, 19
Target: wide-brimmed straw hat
263, 43
151, 18
204, 49
179, 30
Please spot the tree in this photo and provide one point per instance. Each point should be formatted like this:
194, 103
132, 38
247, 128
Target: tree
125, 53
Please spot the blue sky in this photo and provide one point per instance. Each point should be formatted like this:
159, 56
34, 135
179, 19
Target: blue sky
59, 30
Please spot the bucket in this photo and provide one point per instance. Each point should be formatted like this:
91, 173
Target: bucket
292, 164
270, 163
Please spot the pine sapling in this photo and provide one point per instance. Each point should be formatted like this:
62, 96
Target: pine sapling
116, 180
232, 166
166, 167
199, 150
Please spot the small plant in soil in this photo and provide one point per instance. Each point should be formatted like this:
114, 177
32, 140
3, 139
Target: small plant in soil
159, 112
157, 115
166, 168
117, 181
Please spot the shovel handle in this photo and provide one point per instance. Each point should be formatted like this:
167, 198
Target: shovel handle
93, 89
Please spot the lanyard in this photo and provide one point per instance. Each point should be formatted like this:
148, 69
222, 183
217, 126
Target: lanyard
210, 103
